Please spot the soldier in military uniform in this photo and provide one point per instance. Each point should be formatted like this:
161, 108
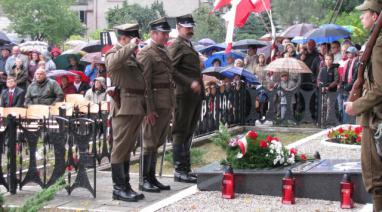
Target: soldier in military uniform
369, 107
157, 69
189, 93
127, 107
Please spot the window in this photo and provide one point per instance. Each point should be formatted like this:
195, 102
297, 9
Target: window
83, 16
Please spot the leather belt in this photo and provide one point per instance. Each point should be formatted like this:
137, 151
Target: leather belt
162, 86
134, 91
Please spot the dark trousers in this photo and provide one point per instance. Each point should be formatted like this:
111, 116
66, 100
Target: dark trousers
187, 114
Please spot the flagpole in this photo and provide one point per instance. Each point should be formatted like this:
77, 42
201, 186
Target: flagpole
273, 29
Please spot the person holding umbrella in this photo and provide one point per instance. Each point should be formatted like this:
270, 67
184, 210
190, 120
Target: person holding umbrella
251, 60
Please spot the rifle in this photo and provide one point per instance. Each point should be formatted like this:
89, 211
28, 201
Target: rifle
356, 91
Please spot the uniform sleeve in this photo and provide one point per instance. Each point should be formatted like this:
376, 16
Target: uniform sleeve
115, 59
146, 60
176, 58
373, 96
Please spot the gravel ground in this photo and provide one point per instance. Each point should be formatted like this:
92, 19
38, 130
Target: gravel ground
212, 201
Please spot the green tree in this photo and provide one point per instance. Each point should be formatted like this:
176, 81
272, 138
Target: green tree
135, 13
49, 20
208, 25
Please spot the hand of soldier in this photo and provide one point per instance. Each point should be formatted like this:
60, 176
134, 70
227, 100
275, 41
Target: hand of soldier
349, 108
195, 86
151, 118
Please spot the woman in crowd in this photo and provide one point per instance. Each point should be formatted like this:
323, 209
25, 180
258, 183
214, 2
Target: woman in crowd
290, 51
74, 64
97, 93
66, 86
55, 52
259, 68
49, 64
20, 74
33, 65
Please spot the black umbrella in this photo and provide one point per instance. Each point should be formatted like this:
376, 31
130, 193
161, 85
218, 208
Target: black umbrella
4, 38
92, 47
246, 43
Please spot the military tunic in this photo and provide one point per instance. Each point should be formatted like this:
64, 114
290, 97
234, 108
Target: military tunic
126, 73
186, 62
157, 70
369, 107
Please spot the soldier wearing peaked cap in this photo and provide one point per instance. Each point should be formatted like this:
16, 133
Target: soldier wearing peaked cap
127, 107
369, 107
157, 70
189, 94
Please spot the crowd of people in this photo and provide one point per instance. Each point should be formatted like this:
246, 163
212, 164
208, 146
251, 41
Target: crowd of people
334, 68
24, 78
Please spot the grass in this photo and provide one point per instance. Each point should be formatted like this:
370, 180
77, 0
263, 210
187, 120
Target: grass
208, 153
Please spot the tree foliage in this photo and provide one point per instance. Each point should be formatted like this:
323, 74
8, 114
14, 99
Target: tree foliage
134, 13
49, 20
302, 11
208, 25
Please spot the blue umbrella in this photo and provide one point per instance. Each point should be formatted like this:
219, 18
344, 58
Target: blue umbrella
222, 57
213, 71
299, 40
206, 42
327, 33
214, 47
230, 72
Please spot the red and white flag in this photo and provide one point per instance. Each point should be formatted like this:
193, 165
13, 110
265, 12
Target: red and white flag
239, 14
220, 3
243, 144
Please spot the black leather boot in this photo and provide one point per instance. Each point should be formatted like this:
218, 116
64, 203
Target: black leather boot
180, 164
187, 148
127, 179
153, 178
119, 187
147, 184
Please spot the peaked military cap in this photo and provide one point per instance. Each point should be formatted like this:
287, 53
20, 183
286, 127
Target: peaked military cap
185, 21
161, 25
373, 5
128, 30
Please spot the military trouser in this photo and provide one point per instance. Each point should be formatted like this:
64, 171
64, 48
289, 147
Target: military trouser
371, 166
125, 132
187, 114
155, 136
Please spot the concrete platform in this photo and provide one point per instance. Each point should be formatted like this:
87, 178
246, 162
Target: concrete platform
82, 200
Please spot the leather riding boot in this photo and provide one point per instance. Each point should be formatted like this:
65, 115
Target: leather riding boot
180, 164
146, 184
153, 178
187, 147
119, 187
127, 180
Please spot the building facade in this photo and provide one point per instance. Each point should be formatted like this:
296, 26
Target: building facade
93, 12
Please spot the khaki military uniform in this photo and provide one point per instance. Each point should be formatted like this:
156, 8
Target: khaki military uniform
369, 107
157, 69
186, 62
126, 73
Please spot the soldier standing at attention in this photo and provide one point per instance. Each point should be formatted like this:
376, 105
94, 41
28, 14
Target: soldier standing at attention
189, 93
369, 106
127, 107
157, 69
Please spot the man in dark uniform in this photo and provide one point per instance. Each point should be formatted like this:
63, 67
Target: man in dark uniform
157, 69
369, 107
189, 92
127, 107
